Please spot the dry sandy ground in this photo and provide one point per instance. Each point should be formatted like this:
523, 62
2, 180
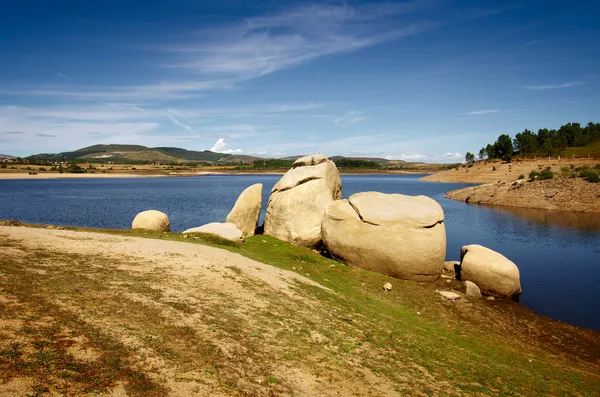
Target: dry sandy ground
234, 294
558, 194
493, 171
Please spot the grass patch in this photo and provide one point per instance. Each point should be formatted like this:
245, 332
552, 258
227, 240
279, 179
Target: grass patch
409, 335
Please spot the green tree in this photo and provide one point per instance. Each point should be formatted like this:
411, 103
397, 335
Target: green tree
482, 153
504, 147
470, 157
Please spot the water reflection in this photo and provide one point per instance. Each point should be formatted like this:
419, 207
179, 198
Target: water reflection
572, 220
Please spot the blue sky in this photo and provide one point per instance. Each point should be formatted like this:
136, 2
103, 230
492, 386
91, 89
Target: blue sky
422, 81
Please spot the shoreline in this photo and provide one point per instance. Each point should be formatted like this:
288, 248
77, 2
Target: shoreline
559, 194
55, 175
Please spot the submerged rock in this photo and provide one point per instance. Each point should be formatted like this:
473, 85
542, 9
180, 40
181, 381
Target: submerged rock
227, 231
297, 202
493, 273
393, 234
246, 210
152, 220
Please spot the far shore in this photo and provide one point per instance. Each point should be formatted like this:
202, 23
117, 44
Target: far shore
12, 175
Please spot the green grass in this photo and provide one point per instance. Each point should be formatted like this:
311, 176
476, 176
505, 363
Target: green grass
593, 151
441, 345
408, 335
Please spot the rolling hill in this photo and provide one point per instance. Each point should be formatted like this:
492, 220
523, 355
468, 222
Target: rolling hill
138, 153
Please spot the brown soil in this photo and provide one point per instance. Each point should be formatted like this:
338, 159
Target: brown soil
83, 312
559, 194
494, 171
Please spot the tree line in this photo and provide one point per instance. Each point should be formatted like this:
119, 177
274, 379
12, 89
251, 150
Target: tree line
545, 143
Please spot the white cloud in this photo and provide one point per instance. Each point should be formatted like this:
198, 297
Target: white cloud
406, 156
220, 147
554, 86
453, 156
350, 117
64, 77
262, 45
477, 112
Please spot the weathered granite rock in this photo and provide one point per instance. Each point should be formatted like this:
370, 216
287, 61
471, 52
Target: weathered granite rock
493, 273
246, 210
297, 202
401, 236
152, 220
228, 231
449, 295
472, 290
449, 266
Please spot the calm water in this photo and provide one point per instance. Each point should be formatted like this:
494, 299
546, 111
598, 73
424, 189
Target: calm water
558, 255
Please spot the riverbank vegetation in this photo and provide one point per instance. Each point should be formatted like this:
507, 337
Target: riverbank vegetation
570, 139
96, 322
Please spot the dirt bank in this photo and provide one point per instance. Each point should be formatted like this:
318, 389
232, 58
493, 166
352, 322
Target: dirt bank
559, 194
106, 314
493, 171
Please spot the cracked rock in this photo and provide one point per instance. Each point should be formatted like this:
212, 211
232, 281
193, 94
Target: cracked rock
393, 234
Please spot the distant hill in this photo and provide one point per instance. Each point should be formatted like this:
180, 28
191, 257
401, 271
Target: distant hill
139, 153
6, 156
135, 154
378, 160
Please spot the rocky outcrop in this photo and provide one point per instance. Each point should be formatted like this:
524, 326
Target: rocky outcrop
246, 210
493, 273
152, 220
401, 236
227, 231
297, 202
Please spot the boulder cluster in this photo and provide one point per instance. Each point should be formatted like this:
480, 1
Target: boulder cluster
393, 234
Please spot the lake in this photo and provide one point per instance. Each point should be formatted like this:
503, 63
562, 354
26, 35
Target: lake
558, 255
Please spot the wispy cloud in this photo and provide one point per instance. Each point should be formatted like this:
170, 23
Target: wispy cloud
350, 117
177, 122
64, 77
12, 132
406, 156
265, 44
554, 86
483, 112
41, 135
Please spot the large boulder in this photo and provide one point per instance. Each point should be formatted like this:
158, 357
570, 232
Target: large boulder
246, 210
298, 201
227, 231
152, 220
401, 236
493, 273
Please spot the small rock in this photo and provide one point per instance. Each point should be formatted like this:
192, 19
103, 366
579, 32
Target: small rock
387, 286
449, 266
445, 276
490, 298
185, 236
473, 290
448, 281
50, 227
419, 313
449, 295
